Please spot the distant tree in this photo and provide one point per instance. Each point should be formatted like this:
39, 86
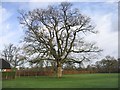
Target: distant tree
57, 33
108, 64
119, 65
41, 64
69, 66
13, 55
91, 68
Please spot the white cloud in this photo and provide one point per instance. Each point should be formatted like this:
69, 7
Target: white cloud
8, 34
39, 4
4, 14
107, 38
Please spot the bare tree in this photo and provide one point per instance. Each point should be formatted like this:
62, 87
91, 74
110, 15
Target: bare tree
12, 54
107, 65
56, 33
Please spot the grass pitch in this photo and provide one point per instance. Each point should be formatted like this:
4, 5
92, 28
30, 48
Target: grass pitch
67, 81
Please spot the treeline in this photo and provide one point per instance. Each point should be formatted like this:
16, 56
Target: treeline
106, 65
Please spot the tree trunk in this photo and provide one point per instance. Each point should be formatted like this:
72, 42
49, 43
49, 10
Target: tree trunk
59, 71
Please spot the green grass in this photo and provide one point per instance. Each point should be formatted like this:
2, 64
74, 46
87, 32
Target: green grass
67, 81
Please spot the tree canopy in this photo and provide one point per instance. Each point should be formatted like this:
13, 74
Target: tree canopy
57, 33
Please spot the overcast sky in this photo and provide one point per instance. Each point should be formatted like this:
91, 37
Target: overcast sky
104, 14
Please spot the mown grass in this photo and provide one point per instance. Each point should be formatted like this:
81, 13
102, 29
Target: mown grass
67, 81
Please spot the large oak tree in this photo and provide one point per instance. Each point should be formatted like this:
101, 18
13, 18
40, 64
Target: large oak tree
56, 33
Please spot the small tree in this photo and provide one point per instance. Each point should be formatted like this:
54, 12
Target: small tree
56, 34
12, 54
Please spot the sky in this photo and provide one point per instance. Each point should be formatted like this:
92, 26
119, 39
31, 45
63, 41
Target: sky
104, 14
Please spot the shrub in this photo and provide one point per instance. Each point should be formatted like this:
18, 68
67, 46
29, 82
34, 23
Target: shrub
8, 75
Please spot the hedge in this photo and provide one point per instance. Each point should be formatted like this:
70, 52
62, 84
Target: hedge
8, 75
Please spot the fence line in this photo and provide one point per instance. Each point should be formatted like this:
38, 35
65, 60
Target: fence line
77, 72
33, 73
48, 73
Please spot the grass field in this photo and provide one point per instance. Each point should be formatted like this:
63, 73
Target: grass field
67, 81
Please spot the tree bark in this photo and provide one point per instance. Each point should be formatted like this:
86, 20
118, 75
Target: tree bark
59, 70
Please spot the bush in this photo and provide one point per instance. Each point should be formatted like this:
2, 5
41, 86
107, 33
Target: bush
8, 75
